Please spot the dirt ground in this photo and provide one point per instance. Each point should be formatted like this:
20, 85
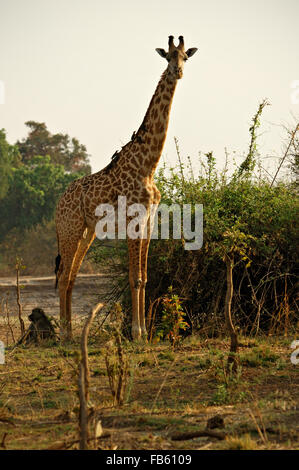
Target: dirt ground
40, 292
167, 393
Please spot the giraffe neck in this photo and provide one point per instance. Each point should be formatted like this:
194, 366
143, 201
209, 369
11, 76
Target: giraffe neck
150, 137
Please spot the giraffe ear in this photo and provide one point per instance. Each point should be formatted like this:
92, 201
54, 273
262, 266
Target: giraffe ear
191, 51
162, 52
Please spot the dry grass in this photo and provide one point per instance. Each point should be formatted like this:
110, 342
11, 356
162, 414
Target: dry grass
167, 392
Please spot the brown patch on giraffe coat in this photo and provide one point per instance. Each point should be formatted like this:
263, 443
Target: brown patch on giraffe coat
159, 127
154, 113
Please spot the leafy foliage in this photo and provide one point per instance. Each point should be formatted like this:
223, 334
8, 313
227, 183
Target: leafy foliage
245, 217
242, 216
61, 149
32, 194
173, 319
33, 174
9, 158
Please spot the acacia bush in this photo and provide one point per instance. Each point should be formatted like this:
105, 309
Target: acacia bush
248, 220
244, 218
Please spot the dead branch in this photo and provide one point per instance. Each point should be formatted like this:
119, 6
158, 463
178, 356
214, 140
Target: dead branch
191, 435
18, 265
116, 361
2, 444
293, 133
229, 261
83, 380
8, 319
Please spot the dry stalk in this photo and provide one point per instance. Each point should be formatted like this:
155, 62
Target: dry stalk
262, 433
8, 319
117, 366
163, 383
22, 325
229, 261
83, 381
180, 162
291, 141
151, 316
2, 444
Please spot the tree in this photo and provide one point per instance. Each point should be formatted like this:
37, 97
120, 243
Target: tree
9, 157
32, 194
62, 149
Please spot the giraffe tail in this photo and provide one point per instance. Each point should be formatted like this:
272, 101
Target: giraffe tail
57, 264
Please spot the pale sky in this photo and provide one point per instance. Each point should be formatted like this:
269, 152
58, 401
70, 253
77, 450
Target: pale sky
89, 68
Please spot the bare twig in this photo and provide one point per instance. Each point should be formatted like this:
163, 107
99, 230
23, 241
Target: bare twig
163, 383
22, 325
8, 319
262, 434
83, 380
293, 133
116, 362
151, 317
180, 162
67, 444
229, 261
2, 444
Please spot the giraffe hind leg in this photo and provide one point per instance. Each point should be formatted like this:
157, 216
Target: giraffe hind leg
79, 256
68, 250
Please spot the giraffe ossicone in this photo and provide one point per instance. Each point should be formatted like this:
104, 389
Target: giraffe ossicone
130, 173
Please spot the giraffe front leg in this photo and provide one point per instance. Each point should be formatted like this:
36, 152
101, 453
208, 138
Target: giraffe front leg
134, 247
144, 255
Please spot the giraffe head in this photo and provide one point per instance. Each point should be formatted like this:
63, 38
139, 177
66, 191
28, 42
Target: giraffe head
176, 56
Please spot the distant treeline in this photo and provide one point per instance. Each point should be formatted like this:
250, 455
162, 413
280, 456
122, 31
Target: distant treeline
34, 172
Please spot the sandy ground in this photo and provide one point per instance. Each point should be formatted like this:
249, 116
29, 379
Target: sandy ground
40, 292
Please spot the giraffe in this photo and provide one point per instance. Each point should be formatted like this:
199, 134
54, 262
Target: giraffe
130, 173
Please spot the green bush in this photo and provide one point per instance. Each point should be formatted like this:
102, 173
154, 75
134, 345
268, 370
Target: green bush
245, 217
